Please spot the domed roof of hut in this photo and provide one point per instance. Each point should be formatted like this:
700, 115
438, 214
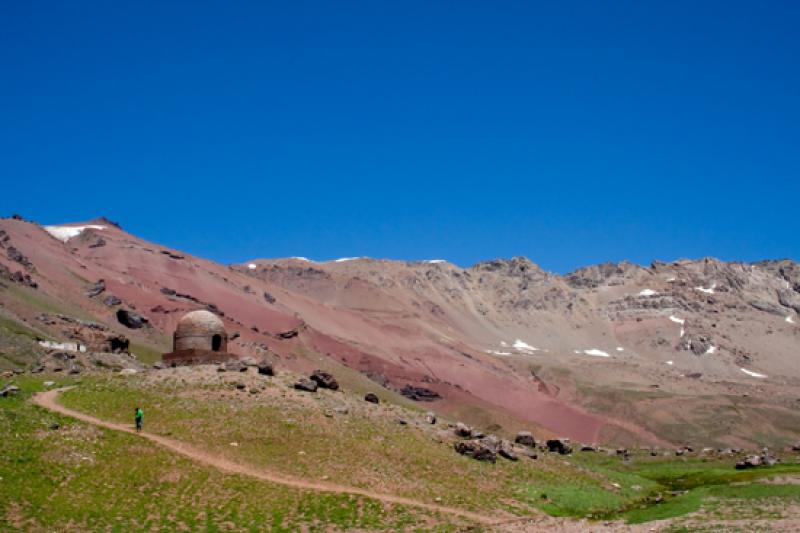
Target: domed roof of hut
199, 322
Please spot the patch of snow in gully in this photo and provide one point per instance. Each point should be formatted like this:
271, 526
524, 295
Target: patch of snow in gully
495, 352
620, 349
301, 258
434, 261
670, 363
343, 259
683, 332
751, 373
65, 233
711, 350
647, 292
677, 320
789, 319
252, 266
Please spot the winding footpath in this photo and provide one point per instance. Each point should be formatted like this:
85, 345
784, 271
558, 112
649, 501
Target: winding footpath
48, 401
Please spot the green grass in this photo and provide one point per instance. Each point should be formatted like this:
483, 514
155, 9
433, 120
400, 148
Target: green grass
289, 432
81, 478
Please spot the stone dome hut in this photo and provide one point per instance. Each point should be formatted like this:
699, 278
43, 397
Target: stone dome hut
200, 330
199, 338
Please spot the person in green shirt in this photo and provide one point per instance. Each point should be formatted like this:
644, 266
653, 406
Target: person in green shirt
139, 417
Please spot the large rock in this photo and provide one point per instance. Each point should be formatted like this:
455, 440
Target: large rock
476, 449
9, 390
430, 417
371, 397
789, 298
560, 446
132, 320
305, 385
525, 438
265, 368
324, 380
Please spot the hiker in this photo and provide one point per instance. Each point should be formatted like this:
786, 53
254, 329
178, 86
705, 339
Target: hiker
139, 417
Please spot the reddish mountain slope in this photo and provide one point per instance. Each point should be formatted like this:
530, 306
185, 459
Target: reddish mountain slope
616, 352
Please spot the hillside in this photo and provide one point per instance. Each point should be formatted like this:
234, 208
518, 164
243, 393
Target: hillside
698, 352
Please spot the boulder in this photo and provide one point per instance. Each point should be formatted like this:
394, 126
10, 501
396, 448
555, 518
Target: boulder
749, 462
371, 398
248, 361
525, 438
305, 385
324, 380
560, 446
265, 368
9, 390
476, 449
588, 448
463, 430
132, 320
506, 451
158, 365
96, 289
430, 417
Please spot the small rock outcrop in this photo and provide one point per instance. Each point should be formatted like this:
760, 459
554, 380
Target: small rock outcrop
131, 320
324, 380
463, 430
477, 450
305, 385
419, 394
525, 438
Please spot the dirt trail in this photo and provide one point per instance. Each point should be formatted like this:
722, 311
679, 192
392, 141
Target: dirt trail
48, 401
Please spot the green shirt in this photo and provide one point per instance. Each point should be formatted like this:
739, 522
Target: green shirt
139, 414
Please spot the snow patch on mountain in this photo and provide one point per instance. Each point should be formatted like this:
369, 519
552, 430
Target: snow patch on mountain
252, 266
753, 374
647, 292
709, 290
596, 353
65, 233
524, 346
677, 320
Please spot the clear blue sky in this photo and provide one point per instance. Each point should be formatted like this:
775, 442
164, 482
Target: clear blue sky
569, 132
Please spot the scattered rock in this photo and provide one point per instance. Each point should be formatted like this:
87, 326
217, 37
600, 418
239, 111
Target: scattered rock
588, 448
130, 319
324, 380
419, 394
111, 301
371, 398
749, 462
525, 438
430, 417
96, 289
265, 368
305, 385
128, 371
462, 430
55, 426
240, 385
476, 449
235, 366
560, 446
158, 365
9, 390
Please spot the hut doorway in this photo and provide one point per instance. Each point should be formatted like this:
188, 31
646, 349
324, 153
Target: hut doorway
216, 343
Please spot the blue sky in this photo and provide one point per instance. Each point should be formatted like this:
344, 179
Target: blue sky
569, 132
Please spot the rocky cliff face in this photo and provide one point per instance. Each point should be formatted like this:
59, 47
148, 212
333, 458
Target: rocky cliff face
616, 351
